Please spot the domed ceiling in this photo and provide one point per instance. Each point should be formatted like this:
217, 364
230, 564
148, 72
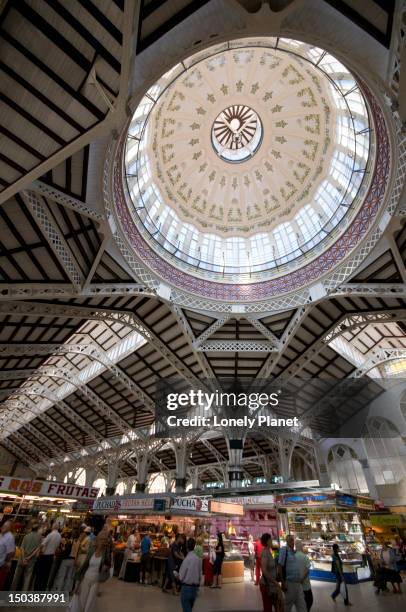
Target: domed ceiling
246, 163
283, 114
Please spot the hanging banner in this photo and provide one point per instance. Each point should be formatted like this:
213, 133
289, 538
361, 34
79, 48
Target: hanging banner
122, 505
46, 488
305, 499
226, 508
192, 504
249, 500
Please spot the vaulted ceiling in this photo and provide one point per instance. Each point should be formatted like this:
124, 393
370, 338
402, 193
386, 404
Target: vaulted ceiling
65, 69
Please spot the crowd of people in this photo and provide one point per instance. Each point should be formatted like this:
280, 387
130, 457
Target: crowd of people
74, 562
77, 561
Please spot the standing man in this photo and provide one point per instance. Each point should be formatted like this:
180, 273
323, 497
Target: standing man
48, 549
304, 566
29, 551
7, 550
258, 554
145, 569
337, 569
190, 574
290, 576
129, 549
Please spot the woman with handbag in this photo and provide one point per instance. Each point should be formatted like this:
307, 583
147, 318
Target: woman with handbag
271, 591
96, 569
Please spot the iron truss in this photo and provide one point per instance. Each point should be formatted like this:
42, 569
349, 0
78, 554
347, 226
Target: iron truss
90, 350
95, 313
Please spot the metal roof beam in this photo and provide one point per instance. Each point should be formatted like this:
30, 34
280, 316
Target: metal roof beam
377, 290
218, 324
91, 351
191, 339
238, 345
53, 236
103, 314
26, 291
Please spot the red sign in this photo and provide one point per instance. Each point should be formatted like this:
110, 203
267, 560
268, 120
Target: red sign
46, 488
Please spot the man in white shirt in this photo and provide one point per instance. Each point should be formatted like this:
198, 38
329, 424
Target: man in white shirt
49, 546
190, 574
129, 549
7, 550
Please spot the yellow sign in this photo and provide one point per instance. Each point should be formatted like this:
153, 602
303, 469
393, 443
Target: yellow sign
391, 520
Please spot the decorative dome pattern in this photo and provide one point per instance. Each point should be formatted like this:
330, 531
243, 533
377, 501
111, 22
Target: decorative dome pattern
294, 124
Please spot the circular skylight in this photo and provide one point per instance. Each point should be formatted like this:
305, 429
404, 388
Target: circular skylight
236, 133
249, 159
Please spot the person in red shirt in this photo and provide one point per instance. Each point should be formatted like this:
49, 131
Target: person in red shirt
258, 552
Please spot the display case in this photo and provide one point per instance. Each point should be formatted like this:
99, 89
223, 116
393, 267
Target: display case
233, 563
321, 525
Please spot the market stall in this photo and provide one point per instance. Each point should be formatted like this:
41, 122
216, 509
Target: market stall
387, 527
321, 519
23, 500
162, 516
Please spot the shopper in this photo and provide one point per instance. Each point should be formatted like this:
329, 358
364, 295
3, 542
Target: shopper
289, 573
199, 547
82, 548
251, 556
145, 569
7, 550
337, 569
389, 567
190, 574
65, 575
48, 549
218, 562
175, 558
60, 554
271, 592
96, 565
258, 553
304, 566
30, 547
129, 549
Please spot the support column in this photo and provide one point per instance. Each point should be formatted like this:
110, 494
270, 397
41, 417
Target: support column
60, 473
143, 463
195, 477
235, 470
169, 476
285, 458
266, 464
180, 449
369, 477
112, 475
90, 475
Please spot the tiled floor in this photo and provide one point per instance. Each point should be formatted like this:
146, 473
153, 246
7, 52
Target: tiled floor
117, 596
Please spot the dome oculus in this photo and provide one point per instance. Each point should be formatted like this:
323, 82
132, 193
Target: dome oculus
236, 133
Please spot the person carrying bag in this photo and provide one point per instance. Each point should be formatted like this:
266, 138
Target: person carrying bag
272, 596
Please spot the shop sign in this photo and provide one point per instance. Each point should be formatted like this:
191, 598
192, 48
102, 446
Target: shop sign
249, 500
125, 504
390, 520
46, 488
306, 499
112, 504
365, 503
83, 506
225, 508
346, 500
193, 504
